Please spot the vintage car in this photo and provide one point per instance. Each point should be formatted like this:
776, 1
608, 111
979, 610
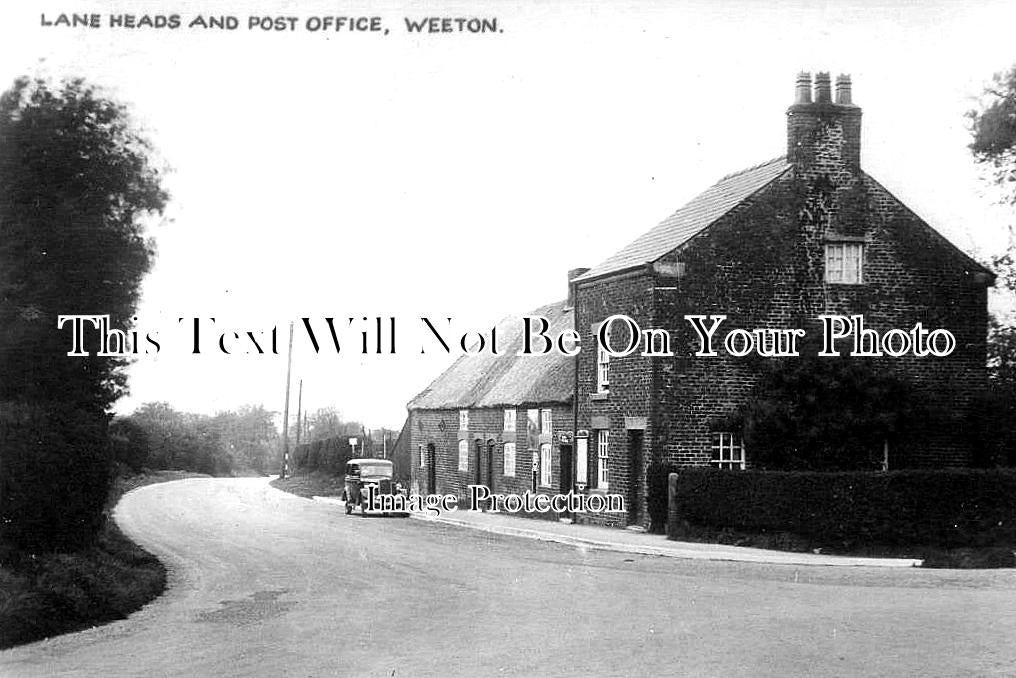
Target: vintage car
363, 475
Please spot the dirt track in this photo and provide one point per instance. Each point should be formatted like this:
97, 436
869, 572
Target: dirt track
268, 584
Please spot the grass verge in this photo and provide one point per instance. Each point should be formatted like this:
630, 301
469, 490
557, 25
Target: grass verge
315, 483
45, 594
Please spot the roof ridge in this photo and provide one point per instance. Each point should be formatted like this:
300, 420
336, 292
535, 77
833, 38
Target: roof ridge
692, 217
752, 168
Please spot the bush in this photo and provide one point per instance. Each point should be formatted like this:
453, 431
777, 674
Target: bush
947, 508
817, 413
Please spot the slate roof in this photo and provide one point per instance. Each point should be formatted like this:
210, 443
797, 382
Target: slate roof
507, 379
691, 219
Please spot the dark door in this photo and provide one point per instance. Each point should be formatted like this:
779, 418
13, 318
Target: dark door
431, 469
635, 465
567, 481
479, 463
490, 465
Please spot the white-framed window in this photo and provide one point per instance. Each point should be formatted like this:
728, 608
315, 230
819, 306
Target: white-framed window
603, 367
463, 420
510, 419
545, 467
602, 459
546, 422
582, 460
844, 263
423, 459
463, 455
509, 459
728, 450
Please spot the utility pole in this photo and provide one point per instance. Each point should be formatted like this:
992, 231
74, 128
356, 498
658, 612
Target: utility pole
285, 414
299, 411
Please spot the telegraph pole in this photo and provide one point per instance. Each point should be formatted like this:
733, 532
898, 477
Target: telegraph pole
285, 414
299, 411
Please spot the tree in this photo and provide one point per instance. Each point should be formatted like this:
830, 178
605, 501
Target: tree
327, 422
993, 126
993, 144
77, 184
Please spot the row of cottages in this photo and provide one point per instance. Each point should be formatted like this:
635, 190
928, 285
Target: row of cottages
504, 421
773, 246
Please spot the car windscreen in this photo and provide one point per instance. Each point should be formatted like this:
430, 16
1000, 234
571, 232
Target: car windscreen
376, 470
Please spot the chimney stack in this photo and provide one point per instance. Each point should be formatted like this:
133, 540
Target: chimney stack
823, 136
572, 274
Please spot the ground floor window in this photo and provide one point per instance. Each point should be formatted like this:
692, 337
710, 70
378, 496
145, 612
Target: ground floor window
602, 459
509, 459
545, 468
463, 455
728, 450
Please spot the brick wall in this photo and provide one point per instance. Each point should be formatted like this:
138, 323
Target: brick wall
630, 394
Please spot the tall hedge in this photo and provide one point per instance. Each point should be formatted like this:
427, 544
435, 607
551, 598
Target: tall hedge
54, 475
329, 455
948, 508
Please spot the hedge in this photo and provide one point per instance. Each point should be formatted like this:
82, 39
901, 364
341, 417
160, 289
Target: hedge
948, 508
55, 475
329, 454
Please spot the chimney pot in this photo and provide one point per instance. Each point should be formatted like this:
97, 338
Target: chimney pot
823, 91
843, 90
802, 92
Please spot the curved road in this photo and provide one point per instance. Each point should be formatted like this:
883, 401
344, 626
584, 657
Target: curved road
263, 583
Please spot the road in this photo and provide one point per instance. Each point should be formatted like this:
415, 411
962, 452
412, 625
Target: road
264, 583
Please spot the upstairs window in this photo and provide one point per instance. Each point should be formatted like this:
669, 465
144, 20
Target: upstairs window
603, 366
546, 423
510, 419
463, 420
728, 451
844, 263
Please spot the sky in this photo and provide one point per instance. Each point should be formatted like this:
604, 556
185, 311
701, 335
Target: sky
456, 175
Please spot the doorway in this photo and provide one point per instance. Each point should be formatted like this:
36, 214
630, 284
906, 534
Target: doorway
431, 469
490, 466
567, 480
478, 476
636, 471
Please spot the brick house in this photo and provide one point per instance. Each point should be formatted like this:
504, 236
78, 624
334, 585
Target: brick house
503, 420
772, 246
